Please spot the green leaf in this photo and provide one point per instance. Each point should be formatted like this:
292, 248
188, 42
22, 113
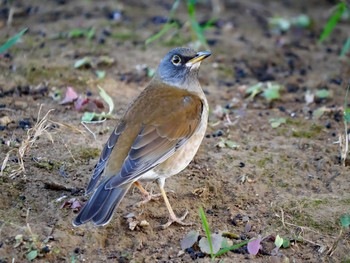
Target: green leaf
286, 243
332, 21
231, 144
9, 43
165, 29
272, 91
276, 122
32, 255
194, 23
206, 229
76, 33
316, 114
107, 99
173, 9
301, 21
224, 243
150, 72
104, 61
345, 48
209, 23
19, 240
227, 143
279, 23
100, 74
254, 90
90, 33
86, 61
278, 241
347, 114
167, 26
345, 220
323, 93
88, 116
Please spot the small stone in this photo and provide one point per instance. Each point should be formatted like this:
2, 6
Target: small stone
5, 120
24, 124
133, 224
181, 253
21, 104
45, 249
130, 215
143, 223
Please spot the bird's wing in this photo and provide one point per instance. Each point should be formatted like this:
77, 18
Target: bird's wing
100, 166
159, 122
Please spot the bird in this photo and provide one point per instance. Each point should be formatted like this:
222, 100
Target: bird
157, 137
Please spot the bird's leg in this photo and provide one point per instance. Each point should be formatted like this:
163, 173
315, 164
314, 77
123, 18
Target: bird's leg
146, 195
172, 217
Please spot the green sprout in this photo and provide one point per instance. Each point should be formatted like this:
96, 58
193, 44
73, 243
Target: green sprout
197, 29
13, 40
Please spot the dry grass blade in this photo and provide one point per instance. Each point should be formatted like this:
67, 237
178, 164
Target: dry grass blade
344, 146
33, 134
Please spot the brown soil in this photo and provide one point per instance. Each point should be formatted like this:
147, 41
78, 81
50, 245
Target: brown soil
287, 181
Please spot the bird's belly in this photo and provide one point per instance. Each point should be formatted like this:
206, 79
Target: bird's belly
181, 158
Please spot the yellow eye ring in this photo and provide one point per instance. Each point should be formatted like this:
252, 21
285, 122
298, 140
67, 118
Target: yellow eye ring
176, 60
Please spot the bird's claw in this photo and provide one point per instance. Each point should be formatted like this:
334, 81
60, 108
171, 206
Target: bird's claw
148, 198
179, 220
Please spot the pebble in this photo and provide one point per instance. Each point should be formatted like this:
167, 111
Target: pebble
24, 124
21, 104
241, 164
218, 133
45, 249
159, 20
181, 253
210, 212
5, 120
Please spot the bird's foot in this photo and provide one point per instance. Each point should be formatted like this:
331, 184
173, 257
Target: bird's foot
179, 220
147, 198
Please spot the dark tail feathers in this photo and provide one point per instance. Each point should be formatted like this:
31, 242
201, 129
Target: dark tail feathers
101, 205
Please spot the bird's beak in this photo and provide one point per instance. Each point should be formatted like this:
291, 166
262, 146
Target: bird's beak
198, 58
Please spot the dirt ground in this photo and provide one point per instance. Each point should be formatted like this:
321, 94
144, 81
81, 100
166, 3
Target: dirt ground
287, 181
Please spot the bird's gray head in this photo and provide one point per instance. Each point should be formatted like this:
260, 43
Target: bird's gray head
180, 67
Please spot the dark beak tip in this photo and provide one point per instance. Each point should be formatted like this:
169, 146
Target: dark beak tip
204, 54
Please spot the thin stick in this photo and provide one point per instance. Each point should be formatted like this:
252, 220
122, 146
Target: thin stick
88, 129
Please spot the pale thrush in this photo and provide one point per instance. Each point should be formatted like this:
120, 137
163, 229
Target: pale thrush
156, 138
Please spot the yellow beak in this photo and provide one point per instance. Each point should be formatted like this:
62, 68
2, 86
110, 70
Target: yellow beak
198, 58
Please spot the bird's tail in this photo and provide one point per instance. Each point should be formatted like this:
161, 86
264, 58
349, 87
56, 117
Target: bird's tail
101, 205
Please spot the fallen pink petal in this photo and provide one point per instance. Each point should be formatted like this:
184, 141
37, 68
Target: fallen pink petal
80, 102
254, 246
70, 96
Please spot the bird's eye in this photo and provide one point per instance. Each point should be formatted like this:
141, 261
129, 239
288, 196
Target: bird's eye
176, 60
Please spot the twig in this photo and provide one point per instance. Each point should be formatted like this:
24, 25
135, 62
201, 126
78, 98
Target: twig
282, 218
335, 244
10, 16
